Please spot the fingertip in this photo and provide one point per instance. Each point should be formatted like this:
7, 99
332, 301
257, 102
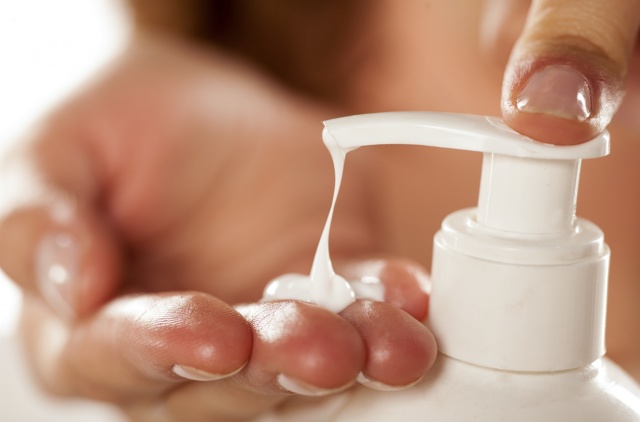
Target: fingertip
566, 74
144, 345
405, 283
63, 253
210, 337
308, 347
400, 349
406, 287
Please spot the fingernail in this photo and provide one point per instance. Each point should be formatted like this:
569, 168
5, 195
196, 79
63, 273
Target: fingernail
57, 258
380, 386
305, 389
557, 90
194, 374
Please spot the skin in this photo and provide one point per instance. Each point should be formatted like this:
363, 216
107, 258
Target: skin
185, 201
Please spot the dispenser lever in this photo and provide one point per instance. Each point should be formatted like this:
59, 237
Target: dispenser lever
454, 131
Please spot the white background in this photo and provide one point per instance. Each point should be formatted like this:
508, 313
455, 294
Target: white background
47, 48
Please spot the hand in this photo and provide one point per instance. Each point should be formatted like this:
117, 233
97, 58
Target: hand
566, 74
143, 220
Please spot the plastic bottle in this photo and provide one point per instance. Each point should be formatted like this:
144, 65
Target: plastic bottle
519, 286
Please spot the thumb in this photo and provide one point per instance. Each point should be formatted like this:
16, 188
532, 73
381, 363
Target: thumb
566, 73
53, 240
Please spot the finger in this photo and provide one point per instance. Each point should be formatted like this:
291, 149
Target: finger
138, 347
52, 241
565, 76
400, 350
405, 283
297, 348
301, 348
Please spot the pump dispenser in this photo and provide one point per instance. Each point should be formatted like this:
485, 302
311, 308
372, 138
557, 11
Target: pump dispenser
518, 297
518, 283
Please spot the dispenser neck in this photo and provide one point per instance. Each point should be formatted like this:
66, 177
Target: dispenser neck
528, 196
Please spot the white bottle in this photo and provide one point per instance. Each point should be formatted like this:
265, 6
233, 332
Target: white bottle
518, 298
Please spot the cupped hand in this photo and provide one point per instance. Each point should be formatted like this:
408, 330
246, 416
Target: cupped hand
145, 216
566, 74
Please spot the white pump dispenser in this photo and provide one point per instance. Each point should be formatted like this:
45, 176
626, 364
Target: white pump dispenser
518, 284
518, 297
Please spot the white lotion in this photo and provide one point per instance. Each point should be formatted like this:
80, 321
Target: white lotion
323, 286
518, 297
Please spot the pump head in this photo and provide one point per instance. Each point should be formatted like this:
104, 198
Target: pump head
526, 186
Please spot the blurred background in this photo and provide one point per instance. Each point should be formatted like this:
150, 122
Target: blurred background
47, 50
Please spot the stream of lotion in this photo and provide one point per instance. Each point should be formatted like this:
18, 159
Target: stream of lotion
323, 286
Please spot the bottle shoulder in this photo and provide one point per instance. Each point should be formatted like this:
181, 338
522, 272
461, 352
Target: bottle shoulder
455, 391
